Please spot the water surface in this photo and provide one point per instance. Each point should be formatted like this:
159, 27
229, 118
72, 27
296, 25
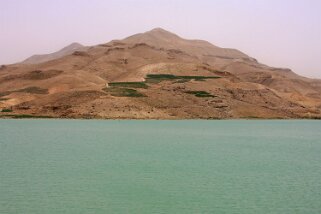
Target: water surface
74, 166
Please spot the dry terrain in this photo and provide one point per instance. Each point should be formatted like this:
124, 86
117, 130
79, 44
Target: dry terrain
154, 75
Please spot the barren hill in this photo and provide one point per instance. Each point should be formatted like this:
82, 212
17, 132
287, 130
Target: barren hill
61, 53
155, 75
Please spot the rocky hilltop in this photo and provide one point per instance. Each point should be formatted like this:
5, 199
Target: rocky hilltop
154, 75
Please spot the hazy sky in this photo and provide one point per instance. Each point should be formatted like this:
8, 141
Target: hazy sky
282, 33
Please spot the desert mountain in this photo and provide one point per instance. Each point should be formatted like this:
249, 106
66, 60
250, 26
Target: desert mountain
61, 53
156, 75
163, 39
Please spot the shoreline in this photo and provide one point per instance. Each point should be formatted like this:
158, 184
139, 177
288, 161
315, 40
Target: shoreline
42, 117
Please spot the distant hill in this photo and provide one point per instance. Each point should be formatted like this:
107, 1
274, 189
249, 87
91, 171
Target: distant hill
155, 75
61, 53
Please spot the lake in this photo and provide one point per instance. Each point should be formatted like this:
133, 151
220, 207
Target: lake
92, 166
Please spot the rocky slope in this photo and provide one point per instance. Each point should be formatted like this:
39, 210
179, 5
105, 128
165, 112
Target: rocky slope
155, 75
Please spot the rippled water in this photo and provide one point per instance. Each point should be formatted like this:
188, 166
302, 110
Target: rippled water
61, 166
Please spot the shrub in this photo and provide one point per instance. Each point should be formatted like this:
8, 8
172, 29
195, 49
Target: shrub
123, 92
6, 110
200, 93
129, 84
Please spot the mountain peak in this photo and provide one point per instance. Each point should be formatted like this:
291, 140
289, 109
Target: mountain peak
72, 46
164, 39
161, 33
158, 29
156, 37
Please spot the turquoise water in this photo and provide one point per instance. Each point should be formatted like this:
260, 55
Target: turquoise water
61, 166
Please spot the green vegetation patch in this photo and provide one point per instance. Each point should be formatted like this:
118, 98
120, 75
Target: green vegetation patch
123, 92
2, 94
251, 117
129, 84
313, 117
41, 75
127, 89
33, 90
6, 110
24, 116
197, 78
156, 78
200, 93
30, 90
161, 76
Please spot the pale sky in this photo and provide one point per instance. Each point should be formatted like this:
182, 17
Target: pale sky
280, 33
